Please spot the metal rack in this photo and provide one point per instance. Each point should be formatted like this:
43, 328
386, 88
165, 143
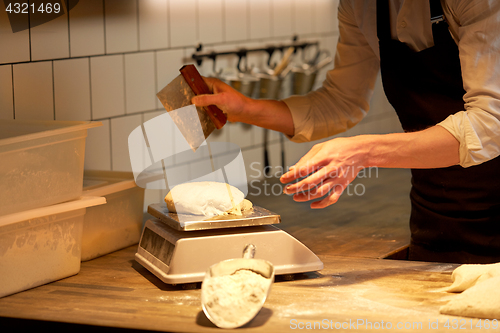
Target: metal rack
242, 52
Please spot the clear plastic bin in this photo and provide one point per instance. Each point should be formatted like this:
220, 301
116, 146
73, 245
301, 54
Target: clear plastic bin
41, 162
118, 223
41, 245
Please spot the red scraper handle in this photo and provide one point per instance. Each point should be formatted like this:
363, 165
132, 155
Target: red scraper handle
199, 87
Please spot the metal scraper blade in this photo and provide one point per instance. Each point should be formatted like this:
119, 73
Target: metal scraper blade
193, 122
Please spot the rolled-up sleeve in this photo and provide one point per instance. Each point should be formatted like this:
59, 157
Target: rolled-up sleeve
477, 128
343, 99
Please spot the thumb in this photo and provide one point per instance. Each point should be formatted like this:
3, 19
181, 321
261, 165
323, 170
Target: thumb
205, 100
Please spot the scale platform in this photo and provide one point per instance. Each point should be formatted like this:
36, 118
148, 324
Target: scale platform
179, 253
186, 222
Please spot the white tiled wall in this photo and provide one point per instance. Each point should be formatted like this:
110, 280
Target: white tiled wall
6, 101
33, 90
86, 28
236, 19
140, 85
72, 89
183, 23
260, 18
15, 46
210, 20
121, 26
153, 24
106, 59
107, 74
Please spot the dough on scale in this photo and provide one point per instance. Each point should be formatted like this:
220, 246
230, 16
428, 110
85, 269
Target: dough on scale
206, 198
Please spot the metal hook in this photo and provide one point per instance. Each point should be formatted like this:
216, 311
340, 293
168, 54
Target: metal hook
302, 49
213, 56
242, 53
270, 51
199, 48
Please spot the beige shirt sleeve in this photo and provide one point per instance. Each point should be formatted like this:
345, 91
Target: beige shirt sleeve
477, 128
343, 100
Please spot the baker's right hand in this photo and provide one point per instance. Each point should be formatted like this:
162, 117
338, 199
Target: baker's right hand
229, 100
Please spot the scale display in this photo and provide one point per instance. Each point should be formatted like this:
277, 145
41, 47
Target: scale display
159, 247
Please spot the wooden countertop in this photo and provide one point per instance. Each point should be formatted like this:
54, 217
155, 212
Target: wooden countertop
114, 291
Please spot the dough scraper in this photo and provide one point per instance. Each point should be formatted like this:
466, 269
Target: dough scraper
195, 123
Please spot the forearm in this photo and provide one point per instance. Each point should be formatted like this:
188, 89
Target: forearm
271, 114
328, 164
434, 147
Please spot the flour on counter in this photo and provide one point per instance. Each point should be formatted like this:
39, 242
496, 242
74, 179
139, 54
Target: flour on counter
233, 300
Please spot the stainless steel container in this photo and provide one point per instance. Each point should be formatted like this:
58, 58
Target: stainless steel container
270, 86
303, 81
244, 83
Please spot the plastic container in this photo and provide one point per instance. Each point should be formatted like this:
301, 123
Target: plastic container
41, 245
41, 162
118, 223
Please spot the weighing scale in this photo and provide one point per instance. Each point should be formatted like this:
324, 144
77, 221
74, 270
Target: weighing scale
179, 249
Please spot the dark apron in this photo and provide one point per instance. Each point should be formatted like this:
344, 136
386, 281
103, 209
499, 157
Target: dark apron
455, 214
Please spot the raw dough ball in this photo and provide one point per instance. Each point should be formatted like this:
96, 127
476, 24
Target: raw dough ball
467, 276
206, 198
480, 301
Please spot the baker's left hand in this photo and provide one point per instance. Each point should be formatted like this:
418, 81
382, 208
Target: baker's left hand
330, 167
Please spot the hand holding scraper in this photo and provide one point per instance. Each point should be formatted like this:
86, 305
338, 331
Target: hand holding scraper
195, 123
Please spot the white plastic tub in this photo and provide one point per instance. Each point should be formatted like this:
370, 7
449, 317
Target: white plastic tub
118, 223
41, 245
41, 162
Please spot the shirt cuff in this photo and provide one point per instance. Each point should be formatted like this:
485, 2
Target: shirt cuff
471, 149
300, 107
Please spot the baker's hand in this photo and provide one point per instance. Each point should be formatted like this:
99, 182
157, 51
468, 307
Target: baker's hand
330, 167
229, 100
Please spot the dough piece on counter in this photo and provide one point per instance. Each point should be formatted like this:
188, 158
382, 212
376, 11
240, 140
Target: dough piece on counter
467, 276
206, 198
480, 301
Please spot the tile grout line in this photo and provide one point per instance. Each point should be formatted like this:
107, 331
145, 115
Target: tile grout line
29, 34
223, 20
110, 147
314, 16
69, 34
13, 98
90, 90
197, 20
53, 91
155, 59
124, 85
260, 40
271, 18
138, 25
248, 20
104, 26
169, 34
